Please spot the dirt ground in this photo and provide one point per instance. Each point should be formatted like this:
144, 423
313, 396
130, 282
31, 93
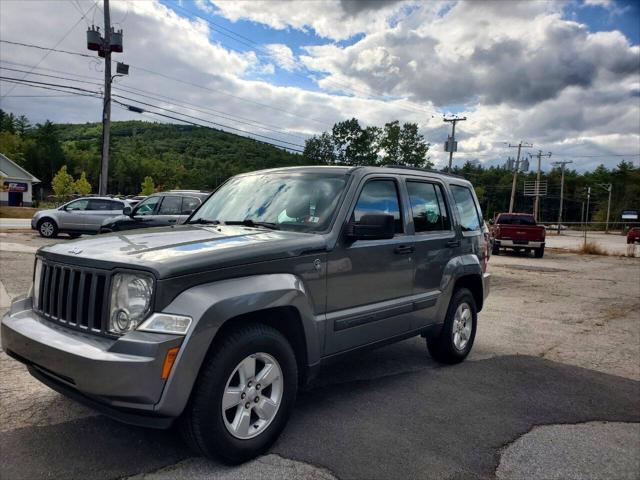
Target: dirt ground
583, 310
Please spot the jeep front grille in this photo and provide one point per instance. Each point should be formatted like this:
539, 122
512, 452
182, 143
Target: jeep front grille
74, 296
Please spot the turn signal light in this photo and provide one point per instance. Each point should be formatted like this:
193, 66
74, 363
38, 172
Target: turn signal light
172, 353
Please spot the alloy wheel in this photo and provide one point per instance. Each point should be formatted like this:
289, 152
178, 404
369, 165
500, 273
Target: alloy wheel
252, 395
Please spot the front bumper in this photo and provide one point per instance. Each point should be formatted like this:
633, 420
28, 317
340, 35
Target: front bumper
518, 244
119, 376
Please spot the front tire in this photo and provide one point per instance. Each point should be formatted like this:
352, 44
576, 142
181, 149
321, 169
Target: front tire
455, 340
244, 395
47, 228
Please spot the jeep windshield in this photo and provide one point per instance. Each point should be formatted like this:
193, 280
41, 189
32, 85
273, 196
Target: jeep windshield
304, 202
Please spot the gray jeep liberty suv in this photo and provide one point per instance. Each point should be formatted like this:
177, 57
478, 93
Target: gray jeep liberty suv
217, 322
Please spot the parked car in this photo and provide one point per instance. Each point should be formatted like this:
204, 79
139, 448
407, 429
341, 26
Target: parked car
519, 232
157, 210
83, 215
633, 235
135, 199
216, 323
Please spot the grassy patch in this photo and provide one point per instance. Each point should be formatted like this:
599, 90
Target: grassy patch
17, 212
591, 248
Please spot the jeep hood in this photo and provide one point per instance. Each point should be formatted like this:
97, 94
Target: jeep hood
184, 249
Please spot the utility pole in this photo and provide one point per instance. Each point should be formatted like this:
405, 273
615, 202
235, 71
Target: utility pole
105, 45
451, 145
561, 164
608, 187
586, 216
536, 205
106, 106
515, 172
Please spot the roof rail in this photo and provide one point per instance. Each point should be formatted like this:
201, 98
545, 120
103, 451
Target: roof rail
428, 170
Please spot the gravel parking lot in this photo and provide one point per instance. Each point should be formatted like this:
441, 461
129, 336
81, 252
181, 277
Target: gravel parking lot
552, 381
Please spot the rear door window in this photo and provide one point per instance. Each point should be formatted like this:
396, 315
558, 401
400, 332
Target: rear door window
379, 197
99, 205
427, 207
468, 211
171, 206
189, 204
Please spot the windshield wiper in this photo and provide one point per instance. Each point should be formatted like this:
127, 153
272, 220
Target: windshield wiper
204, 221
247, 222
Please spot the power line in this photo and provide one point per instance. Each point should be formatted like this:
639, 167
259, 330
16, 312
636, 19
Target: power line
160, 98
89, 93
83, 15
208, 121
24, 65
140, 110
50, 76
80, 94
175, 79
207, 111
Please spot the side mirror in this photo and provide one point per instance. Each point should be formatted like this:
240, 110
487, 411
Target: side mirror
127, 210
372, 227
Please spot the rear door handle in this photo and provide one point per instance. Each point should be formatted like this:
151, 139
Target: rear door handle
453, 243
403, 249
172, 220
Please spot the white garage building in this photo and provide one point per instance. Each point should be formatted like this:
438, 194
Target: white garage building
16, 189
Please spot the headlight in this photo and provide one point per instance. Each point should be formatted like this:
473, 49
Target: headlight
130, 301
166, 323
35, 288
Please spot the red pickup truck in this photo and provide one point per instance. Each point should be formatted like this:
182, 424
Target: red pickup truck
518, 231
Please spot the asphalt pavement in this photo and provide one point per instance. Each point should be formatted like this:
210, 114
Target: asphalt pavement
443, 422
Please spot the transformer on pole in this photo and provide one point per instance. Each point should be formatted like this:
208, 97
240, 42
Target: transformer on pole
105, 44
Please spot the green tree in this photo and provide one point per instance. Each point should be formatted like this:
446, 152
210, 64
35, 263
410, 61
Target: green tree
355, 145
321, 149
63, 183
148, 187
413, 148
7, 122
44, 156
82, 185
22, 125
403, 146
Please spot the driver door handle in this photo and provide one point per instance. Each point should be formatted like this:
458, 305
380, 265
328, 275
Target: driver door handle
453, 243
403, 249
172, 220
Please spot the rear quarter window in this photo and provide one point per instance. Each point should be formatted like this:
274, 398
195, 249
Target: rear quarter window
468, 211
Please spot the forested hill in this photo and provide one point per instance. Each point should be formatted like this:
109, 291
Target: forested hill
174, 155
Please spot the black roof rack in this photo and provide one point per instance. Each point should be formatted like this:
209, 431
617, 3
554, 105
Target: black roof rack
428, 170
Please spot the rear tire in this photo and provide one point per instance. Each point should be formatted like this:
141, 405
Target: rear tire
495, 250
47, 228
460, 324
240, 432
539, 252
